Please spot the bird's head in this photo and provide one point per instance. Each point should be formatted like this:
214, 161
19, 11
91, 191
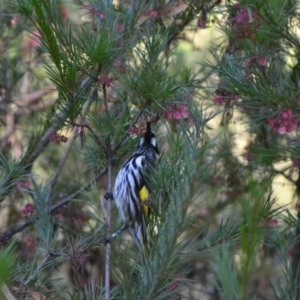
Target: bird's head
148, 140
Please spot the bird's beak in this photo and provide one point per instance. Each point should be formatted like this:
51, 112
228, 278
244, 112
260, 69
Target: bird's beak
148, 128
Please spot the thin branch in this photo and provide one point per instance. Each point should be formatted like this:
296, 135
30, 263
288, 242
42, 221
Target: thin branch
43, 142
285, 176
21, 226
78, 192
60, 165
9, 129
31, 98
4, 238
54, 127
7, 293
91, 131
44, 139
108, 249
27, 110
105, 97
41, 265
84, 124
109, 154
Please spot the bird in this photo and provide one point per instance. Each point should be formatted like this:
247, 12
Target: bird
130, 190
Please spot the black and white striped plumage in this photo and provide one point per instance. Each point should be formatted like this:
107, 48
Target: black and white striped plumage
130, 190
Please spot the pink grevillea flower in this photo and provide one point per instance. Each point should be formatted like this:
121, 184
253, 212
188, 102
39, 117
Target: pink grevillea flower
285, 122
258, 61
120, 65
242, 16
33, 40
269, 223
243, 20
120, 27
28, 209
176, 112
151, 13
29, 244
248, 156
140, 129
175, 284
23, 184
94, 11
136, 130
262, 61
57, 138
296, 163
104, 80
219, 99
202, 23
223, 96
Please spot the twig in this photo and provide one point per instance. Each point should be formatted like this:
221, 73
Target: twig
296, 258
91, 131
27, 110
29, 99
44, 140
41, 265
60, 165
69, 198
10, 128
7, 293
21, 226
54, 127
108, 250
284, 175
109, 154
13, 230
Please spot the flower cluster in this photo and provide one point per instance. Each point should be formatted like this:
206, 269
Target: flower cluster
256, 61
79, 260
223, 96
23, 185
296, 163
151, 13
248, 156
120, 66
176, 282
202, 23
176, 112
136, 130
32, 41
29, 244
57, 138
269, 223
28, 209
120, 28
94, 11
203, 20
285, 122
243, 20
106, 81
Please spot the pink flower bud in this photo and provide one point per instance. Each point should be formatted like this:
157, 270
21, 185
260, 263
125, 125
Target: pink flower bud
201, 23
28, 209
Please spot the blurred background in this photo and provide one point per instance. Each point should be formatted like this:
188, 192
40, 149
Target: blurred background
219, 82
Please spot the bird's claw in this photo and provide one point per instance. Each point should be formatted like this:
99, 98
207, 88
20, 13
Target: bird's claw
109, 196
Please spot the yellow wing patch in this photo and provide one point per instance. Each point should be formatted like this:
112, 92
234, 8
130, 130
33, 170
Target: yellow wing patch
144, 195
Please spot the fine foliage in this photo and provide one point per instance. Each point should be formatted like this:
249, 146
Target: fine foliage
219, 82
